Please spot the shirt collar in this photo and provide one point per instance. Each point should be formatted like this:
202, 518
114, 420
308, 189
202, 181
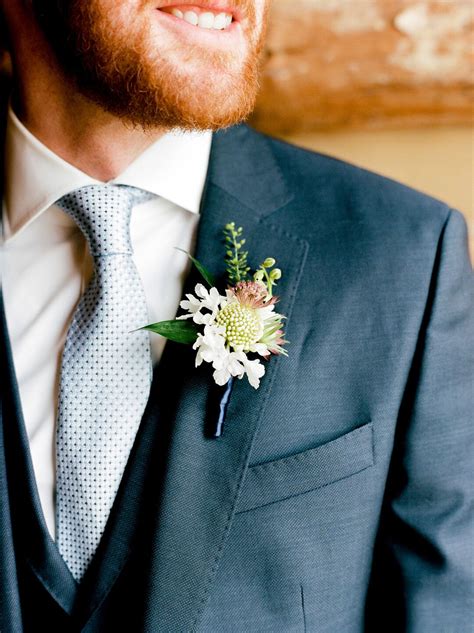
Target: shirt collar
174, 167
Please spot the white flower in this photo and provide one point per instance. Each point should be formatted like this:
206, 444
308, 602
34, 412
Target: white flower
254, 370
210, 345
237, 364
211, 348
226, 367
205, 300
260, 348
240, 322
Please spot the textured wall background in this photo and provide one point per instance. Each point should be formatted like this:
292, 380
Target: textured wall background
367, 62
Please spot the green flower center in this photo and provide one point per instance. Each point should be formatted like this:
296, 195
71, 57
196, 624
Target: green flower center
243, 326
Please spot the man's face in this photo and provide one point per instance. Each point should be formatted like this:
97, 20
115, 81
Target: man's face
149, 63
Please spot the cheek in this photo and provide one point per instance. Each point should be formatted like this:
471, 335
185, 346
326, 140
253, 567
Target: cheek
120, 16
122, 24
128, 8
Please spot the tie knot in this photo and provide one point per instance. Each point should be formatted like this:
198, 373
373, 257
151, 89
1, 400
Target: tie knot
103, 212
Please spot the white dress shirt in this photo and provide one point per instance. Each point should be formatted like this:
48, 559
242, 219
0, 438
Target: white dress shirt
46, 264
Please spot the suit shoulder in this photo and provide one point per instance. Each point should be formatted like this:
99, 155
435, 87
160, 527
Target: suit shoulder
345, 188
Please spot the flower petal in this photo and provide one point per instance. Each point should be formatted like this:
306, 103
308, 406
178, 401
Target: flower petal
201, 291
254, 370
221, 376
261, 349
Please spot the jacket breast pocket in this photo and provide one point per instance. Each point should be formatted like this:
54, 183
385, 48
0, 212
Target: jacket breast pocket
313, 468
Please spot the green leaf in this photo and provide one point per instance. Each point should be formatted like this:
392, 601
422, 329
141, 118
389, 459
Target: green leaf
178, 331
205, 274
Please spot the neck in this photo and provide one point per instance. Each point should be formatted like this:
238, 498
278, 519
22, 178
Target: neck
75, 128
98, 144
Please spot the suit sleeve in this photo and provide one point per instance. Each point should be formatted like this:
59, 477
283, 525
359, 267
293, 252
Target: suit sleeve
423, 571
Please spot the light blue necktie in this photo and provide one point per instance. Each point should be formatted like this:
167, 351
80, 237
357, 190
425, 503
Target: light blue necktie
105, 373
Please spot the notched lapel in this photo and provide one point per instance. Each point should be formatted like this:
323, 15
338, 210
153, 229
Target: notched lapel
203, 476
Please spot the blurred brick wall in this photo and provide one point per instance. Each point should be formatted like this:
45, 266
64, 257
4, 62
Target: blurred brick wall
366, 63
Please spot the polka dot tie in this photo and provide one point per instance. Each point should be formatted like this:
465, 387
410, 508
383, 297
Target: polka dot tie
105, 374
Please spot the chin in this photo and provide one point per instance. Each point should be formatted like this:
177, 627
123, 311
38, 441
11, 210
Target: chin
200, 99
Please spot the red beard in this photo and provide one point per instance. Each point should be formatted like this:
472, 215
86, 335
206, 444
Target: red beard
131, 75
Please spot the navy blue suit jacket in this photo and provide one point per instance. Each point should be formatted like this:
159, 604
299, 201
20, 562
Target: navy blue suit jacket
339, 499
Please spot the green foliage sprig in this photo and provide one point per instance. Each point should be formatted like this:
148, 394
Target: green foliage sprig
236, 259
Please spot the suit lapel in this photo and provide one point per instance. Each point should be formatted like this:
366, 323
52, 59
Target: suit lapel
202, 477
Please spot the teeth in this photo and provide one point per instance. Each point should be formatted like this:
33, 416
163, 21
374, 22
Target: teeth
191, 17
205, 20
220, 21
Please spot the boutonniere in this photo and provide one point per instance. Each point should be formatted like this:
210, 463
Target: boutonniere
233, 329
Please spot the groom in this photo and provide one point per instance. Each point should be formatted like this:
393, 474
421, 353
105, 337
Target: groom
339, 498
